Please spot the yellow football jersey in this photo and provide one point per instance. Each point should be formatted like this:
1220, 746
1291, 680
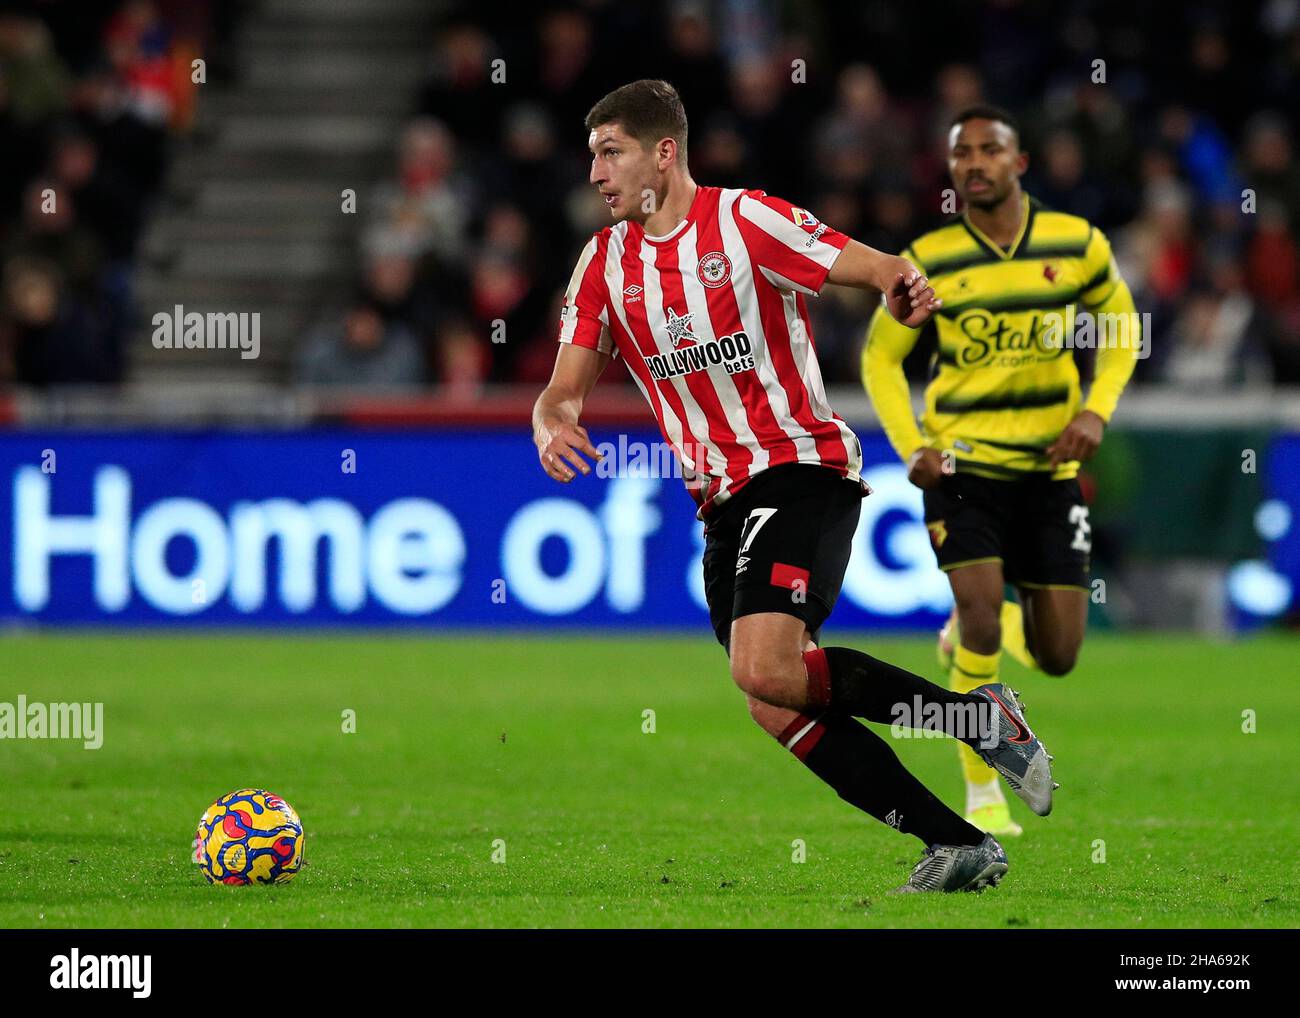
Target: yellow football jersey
1004, 382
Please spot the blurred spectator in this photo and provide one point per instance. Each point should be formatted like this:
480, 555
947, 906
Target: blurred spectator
361, 350
458, 90
459, 360
1217, 339
37, 81
690, 56
50, 229
862, 135
425, 211
768, 124
48, 336
107, 202
1268, 165
565, 78
1061, 182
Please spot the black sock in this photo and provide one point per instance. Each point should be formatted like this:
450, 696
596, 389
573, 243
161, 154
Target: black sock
851, 682
864, 772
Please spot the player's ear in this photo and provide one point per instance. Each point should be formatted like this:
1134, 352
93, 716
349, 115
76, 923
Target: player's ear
667, 153
1022, 163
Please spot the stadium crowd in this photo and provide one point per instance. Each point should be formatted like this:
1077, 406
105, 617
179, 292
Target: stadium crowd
1176, 137
90, 98
1182, 149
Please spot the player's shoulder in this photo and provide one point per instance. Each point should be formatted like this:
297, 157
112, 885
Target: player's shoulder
1064, 230
602, 237
753, 194
945, 243
797, 214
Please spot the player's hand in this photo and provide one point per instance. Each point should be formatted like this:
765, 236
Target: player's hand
561, 442
908, 295
927, 467
1079, 441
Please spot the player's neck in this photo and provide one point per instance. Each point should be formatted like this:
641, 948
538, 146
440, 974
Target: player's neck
676, 204
1001, 223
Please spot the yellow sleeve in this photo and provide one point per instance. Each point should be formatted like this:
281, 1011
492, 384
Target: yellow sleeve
882, 375
1119, 338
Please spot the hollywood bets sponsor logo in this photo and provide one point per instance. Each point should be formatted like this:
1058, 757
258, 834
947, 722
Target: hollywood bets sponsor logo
732, 352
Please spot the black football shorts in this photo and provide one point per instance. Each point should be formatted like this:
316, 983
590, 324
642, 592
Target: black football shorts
1036, 527
781, 544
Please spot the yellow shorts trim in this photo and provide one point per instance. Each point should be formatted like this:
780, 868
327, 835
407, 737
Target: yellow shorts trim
1053, 586
969, 562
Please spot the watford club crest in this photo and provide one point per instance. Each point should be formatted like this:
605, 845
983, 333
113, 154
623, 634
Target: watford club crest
1050, 272
938, 533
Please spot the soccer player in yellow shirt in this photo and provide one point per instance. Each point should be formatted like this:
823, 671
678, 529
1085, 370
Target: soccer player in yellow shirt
998, 448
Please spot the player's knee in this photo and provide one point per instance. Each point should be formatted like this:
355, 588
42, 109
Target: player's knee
767, 717
981, 629
757, 681
764, 680
1057, 660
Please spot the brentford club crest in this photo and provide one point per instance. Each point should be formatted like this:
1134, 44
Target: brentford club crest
714, 270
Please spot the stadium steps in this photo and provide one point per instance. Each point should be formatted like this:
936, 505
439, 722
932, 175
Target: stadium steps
250, 220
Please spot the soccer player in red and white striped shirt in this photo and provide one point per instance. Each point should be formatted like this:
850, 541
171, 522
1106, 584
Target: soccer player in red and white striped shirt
702, 291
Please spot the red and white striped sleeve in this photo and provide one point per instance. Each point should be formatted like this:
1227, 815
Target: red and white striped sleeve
584, 319
788, 244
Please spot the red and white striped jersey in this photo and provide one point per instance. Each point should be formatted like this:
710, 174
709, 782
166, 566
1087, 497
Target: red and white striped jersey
712, 321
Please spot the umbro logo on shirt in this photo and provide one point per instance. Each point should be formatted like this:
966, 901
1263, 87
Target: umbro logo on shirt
632, 294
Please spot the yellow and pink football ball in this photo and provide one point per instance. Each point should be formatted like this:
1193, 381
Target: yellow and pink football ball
249, 837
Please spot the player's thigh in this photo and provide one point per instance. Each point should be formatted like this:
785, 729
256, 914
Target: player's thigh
767, 651
1055, 621
721, 542
1053, 544
966, 517
795, 545
1051, 570
977, 590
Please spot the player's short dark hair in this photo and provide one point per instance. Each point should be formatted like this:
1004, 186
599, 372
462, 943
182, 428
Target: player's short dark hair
985, 111
648, 110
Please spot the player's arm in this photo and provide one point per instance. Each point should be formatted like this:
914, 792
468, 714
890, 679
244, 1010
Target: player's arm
556, 431
888, 344
585, 349
794, 251
907, 293
1104, 294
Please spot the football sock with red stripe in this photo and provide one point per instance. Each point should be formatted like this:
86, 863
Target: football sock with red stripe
850, 682
865, 773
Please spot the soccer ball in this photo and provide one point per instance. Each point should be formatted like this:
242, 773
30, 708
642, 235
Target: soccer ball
249, 837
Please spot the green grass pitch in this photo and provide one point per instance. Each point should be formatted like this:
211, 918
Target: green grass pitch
538, 742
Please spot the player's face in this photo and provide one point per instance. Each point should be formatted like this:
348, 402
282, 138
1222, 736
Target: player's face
985, 161
626, 174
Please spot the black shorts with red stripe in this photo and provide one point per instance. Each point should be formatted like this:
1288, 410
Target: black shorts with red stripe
781, 544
